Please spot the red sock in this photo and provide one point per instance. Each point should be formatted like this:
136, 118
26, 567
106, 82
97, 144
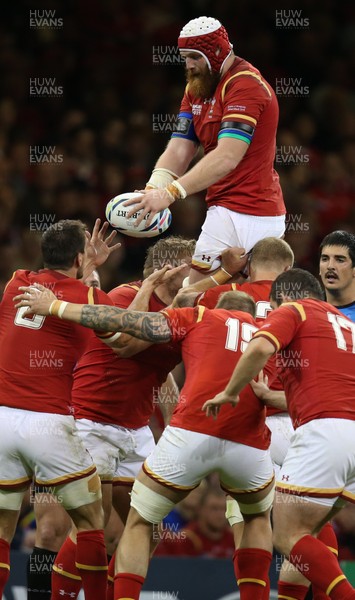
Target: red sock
110, 577
4, 564
328, 537
91, 562
291, 591
266, 595
65, 576
316, 562
128, 585
252, 568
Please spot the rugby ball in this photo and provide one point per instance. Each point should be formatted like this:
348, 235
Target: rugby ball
116, 215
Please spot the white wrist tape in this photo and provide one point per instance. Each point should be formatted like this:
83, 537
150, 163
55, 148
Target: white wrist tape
62, 309
160, 178
57, 308
182, 191
226, 272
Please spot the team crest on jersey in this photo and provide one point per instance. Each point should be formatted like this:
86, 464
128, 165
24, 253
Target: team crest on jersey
196, 109
212, 102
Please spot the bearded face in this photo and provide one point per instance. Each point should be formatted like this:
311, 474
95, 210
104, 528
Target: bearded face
202, 83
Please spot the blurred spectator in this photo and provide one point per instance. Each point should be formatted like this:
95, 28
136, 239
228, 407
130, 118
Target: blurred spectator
186, 510
24, 538
344, 527
208, 535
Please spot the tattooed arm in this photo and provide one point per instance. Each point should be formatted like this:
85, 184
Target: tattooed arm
152, 327
126, 345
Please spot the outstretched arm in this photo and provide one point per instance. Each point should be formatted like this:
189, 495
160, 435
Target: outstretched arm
152, 327
126, 345
212, 167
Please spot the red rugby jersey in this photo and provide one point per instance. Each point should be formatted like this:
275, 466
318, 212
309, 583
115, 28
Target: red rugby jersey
122, 391
315, 360
242, 96
260, 291
38, 354
212, 343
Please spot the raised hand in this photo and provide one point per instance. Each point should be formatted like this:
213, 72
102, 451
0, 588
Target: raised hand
149, 201
234, 259
166, 273
98, 249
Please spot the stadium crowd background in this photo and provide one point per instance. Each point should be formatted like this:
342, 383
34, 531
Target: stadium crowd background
115, 81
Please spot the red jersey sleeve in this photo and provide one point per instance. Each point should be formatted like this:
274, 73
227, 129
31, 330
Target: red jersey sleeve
185, 105
180, 320
210, 297
281, 325
123, 295
246, 97
99, 297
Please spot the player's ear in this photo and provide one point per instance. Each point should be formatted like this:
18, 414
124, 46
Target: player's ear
79, 259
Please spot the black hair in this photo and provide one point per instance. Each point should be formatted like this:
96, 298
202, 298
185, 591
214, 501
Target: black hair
296, 284
62, 242
340, 238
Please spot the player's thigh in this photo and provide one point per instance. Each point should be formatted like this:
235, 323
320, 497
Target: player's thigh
246, 473
49, 446
14, 440
282, 431
183, 458
217, 234
52, 521
128, 469
314, 480
250, 229
106, 491
113, 532
320, 462
52, 448
176, 466
121, 499
107, 444
294, 517
8, 523
88, 516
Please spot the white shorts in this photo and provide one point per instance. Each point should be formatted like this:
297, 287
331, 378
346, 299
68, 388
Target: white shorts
117, 452
320, 464
282, 431
41, 447
182, 458
224, 228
